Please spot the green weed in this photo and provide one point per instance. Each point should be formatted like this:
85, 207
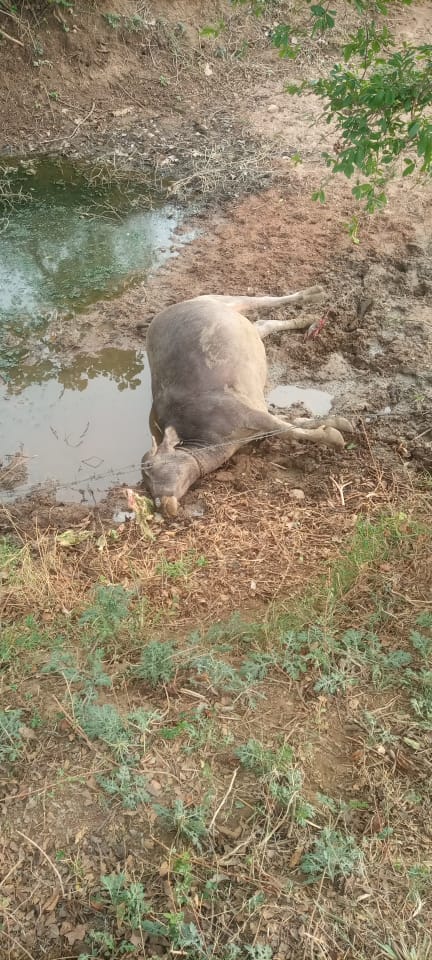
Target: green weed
103, 722
125, 785
21, 637
113, 20
10, 556
104, 617
334, 855
183, 878
156, 664
181, 569
281, 780
117, 21
188, 823
11, 743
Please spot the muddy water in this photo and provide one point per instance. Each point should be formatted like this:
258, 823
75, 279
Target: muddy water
81, 432
70, 235
317, 402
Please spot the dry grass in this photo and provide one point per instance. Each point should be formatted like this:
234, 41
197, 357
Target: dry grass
257, 545
362, 748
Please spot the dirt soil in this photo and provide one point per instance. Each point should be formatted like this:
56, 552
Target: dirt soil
211, 115
219, 124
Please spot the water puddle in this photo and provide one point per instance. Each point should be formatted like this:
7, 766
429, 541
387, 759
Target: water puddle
71, 234
83, 431
317, 402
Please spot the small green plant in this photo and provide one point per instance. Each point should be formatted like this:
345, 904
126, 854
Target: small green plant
259, 951
110, 608
63, 663
181, 569
11, 743
125, 785
420, 879
21, 637
334, 855
9, 553
103, 722
135, 24
421, 702
264, 762
183, 878
377, 733
103, 946
157, 663
113, 20
128, 900
213, 30
117, 21
282, 781
422, 642
189, 823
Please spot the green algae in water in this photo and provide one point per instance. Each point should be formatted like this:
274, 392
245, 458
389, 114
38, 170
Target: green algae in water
73, 234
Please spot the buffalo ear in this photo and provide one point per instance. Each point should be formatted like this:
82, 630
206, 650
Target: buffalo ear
170, 440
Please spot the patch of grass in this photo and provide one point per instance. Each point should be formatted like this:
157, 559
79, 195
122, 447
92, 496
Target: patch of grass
374, 540
10, 556
282, 782
116, 21
181, 569
11, 743
21, 638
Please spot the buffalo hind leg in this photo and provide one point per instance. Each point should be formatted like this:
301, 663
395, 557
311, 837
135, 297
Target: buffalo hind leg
264, 304
265, 327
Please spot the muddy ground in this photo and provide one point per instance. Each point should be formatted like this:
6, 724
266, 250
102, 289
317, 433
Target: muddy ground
221, 127
212, 114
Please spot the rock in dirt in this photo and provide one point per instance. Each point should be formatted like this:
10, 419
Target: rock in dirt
296, 494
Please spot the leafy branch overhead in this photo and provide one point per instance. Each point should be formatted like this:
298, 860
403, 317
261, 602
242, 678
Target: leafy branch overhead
378, 96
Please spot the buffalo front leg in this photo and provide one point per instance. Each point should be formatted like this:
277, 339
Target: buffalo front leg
261, 424
310, 423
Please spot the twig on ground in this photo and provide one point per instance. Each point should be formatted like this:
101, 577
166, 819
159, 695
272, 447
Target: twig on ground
44, 854
224, 799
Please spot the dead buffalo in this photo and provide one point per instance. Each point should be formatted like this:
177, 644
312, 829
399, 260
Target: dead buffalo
208, 373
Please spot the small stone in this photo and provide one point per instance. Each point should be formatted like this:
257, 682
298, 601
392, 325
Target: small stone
297, 494
273, 108
154, 788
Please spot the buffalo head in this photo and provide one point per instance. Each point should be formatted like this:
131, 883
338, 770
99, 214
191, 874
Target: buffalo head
168, 470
